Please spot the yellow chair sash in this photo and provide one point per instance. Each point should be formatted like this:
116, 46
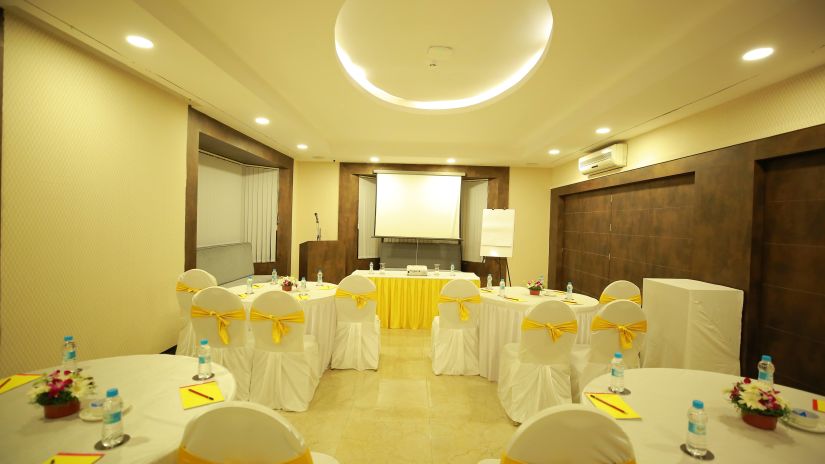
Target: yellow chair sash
555, 331
279, 327
508, 460
360, 298
223, 319
626, 334
463, 312
182, 287
186, 457
605, 298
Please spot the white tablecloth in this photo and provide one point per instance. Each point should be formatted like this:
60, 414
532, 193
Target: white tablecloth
662, 397
155, 421
500, 322
319, 312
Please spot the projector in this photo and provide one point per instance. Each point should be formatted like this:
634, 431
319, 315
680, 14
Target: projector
416, 270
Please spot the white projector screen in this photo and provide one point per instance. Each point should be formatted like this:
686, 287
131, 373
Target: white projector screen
417, 206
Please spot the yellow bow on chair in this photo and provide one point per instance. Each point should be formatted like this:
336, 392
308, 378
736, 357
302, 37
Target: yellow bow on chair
182, 287
187, 457
555, 331
463, 312
605, 298
360, 298
626, 334
223, 319
279, 327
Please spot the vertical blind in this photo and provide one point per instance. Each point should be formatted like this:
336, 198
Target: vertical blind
367, 244
473, 203
260, 206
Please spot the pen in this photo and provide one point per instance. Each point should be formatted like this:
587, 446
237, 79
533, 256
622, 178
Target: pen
605, 402
205, 396
4, 383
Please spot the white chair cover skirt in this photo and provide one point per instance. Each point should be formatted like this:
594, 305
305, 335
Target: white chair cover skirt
358, 334
455, 341
193, 280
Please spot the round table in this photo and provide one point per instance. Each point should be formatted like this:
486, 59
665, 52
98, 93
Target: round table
500, 321
318, 303
662, 398
155, 421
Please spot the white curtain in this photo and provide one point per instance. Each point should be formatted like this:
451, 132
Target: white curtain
473, 203
367, 245
260, 207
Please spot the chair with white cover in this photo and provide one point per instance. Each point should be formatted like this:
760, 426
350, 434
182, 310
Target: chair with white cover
620, 326
569, 433
358, 334
455, 330
534, 374
245, 432
189, 283
286, 364
621, 290
219, 317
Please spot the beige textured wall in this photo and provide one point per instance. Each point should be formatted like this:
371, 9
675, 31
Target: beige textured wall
315, 190
93, 205
530, 197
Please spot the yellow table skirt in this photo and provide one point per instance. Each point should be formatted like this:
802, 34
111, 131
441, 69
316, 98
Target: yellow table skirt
408, 303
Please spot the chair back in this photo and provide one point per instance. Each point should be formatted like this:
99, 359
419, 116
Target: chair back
274, 309
450, 311
604, 343
225, 304
240, 431
571, 433
189, 283
346, 307
621, 290
537, 344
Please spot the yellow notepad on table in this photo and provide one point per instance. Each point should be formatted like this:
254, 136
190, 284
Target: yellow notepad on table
257, 285
74, 458
242, 295
486, 290
199, 394
514, 299
612, 404
302, 297
15, 380
325, 287
570, 302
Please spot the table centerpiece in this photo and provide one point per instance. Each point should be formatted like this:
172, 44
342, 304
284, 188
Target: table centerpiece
59, 392
535, 286
760, 404
287, 283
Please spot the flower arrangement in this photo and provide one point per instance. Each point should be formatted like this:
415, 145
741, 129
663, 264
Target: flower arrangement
760, 405
535, 285
60, 387
287, 282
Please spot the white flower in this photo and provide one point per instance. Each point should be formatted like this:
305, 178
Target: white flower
750, 398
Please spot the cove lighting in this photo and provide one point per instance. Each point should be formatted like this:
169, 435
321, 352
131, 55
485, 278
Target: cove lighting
554, 151
262, 121
139, 42
758, 54
603, 130
302, 146
374, 159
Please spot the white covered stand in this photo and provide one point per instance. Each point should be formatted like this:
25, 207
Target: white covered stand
358, 333
455, 341
189, 283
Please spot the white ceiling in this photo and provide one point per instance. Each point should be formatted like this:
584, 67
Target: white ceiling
632, 65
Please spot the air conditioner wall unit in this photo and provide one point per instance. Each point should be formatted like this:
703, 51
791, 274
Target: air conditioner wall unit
612, 157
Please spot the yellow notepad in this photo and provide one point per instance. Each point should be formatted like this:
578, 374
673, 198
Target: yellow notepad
257, 286
74, 458
325, 287
615, 406
14, 381
514, 299
302, 297
242, 295
190, 397
570, 302
486, 290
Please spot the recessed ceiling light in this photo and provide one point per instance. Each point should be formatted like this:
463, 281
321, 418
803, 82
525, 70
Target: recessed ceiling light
262, 121
374, 159
139, 42
554, 151
302, 146
603, 130
451, 160
758, 54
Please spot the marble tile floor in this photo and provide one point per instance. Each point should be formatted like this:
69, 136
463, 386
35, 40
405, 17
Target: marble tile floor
403, 413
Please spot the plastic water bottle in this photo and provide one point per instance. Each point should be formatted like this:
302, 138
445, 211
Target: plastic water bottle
204, 360
766, 369
249, 289
320, 277
501, 291
303, 284
371, 267
490, 281
617, 373
112, 419
274, 277
452, 269
69, 354
697, 438
569, 291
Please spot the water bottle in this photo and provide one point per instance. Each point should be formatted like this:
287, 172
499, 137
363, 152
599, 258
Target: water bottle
204, 360
766, 369
303, 284
249, 289
452, 269
274, 277
112, 419
617, 373
501, 291
697, 438
569, 291
69, 354
320, 277
371, 266
490, 281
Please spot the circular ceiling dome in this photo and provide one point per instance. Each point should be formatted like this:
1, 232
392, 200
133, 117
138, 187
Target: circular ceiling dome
437, 55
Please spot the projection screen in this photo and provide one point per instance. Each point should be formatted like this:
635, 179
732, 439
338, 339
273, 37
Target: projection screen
417, 205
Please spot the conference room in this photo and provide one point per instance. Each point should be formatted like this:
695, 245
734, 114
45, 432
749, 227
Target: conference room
357, 231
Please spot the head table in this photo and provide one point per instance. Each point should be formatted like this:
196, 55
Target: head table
155, 421
662, 397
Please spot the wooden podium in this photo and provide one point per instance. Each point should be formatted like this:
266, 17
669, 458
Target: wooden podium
327, 255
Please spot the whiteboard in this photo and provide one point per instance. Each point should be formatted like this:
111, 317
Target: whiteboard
497, 229
417, 206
